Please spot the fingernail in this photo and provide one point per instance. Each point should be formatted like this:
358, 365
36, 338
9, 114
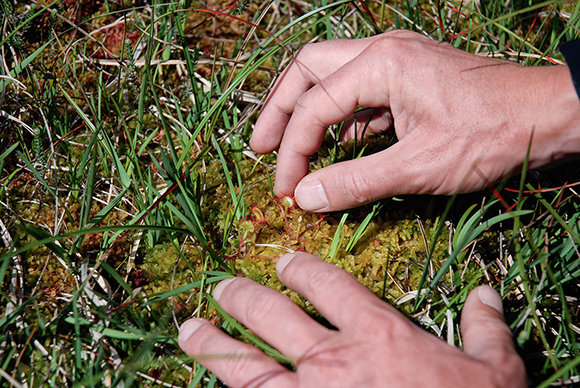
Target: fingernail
217, 292
284, 261
489, 297
310, 195
188, 328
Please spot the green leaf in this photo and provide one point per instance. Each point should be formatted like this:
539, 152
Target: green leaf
130, 334
362, 228
186, 288
5, 82
104, 141
337, 239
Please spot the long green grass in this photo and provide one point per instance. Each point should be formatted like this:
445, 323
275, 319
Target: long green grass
125, 180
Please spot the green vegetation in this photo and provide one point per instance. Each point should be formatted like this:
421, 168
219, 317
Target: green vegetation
127, 189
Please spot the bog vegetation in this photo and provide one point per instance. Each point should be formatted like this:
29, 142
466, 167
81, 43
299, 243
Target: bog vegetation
128, 190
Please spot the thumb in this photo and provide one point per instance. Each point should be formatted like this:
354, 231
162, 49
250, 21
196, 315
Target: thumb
488, 339
344, 185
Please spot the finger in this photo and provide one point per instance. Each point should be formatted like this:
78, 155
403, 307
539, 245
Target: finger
335, 293
400, 169
487, 338
331, 101
311, 64
235, 363
270, 314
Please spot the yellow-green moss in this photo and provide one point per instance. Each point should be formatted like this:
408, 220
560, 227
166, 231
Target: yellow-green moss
387, 260
167, 270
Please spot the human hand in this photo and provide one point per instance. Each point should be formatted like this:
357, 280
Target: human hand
374, 345
463, 121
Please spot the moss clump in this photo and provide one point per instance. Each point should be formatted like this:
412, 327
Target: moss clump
166, 269
388, 259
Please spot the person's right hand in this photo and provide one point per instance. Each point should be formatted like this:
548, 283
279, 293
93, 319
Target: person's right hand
463, 121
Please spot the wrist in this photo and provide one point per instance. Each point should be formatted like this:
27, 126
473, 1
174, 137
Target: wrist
555, 116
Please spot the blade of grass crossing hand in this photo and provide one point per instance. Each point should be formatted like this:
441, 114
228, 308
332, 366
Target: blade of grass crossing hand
254, 340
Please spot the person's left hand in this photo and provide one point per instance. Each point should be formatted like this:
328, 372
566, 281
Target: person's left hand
374, 345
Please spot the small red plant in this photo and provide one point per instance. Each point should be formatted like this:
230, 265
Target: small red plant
49, 293
139, 278
258, 220
114, 40
286, 203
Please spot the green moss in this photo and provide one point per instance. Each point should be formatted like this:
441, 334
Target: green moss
167, 270
388, 260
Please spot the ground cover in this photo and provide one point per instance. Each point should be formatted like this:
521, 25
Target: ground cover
127, 189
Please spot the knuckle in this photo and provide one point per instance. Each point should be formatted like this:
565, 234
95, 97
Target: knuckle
355, 188
283, 110
306, 52
509, 367
387, 326
394, 55
237, 366
324, 278
302, 103
303, 51
405, 38
405, 34
401, 47
311, 50
201, 341
260, 308
304, 110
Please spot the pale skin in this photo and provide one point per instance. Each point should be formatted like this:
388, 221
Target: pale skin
463, 122
374, 346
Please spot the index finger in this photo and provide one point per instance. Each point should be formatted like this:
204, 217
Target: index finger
335, 293
310, 65
360, 82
